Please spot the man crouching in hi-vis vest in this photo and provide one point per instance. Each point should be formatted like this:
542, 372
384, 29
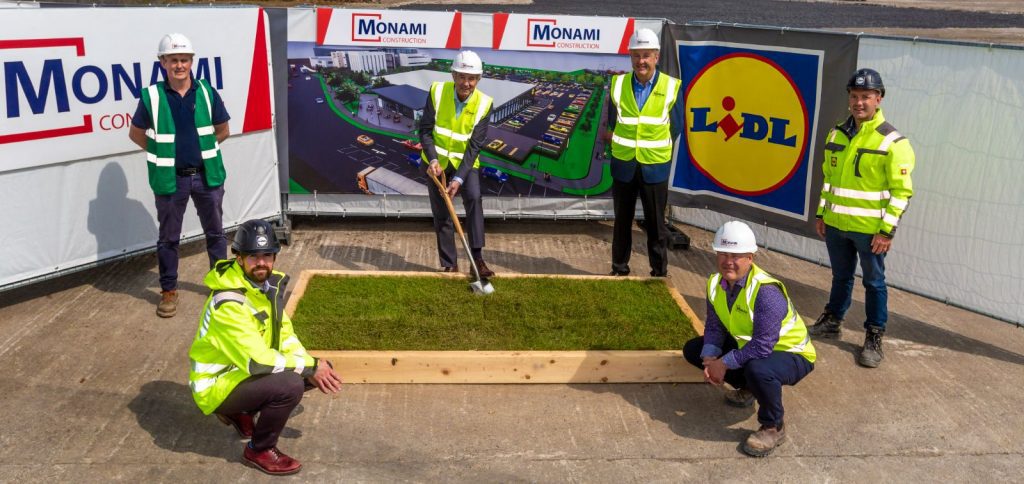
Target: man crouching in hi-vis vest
754, 340
865, 193
247, 365
641, 126
181, 123
452, 131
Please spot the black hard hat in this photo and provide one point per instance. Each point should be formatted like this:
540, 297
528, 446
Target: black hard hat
866, 79
255, 237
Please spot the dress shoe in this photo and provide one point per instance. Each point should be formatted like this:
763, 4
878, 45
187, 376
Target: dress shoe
271, 461
454, 268
242, 422
482, 268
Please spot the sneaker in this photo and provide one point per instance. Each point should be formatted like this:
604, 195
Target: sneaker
871, 354
242, 423
739, 398
764, 441
827, 326
482, 268
168, 305
271, 461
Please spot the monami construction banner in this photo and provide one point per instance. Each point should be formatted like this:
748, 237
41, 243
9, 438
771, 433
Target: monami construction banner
71, 84
356, 94
758, 103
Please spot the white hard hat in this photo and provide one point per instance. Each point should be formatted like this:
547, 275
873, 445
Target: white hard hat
467, 62
175, 44
735, 237
644, 39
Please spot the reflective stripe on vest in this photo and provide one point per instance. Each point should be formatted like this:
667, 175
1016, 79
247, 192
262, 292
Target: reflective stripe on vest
452, 133
643, 133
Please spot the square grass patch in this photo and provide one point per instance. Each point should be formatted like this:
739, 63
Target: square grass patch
410, 313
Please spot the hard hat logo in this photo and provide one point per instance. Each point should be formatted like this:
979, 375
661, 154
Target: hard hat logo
261, 241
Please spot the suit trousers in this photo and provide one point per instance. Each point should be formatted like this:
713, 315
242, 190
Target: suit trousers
443, 226
653, 198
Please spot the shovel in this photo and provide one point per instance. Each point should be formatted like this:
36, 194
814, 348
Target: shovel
480, 285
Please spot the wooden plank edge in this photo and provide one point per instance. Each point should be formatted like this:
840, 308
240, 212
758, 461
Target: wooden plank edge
504, 367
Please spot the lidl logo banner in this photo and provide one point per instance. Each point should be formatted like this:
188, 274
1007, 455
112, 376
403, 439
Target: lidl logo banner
70, 87
751, 113
562, 33
389, 28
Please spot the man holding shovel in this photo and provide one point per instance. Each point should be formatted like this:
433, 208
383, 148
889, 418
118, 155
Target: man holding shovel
452, 131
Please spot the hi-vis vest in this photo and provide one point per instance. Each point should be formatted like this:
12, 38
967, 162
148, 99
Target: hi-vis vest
739, 322
643, 134
452, 134
242, 333
867, 177
160, 143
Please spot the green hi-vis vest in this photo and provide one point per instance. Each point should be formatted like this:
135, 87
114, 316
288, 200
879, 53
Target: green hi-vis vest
739, 322
160, 151
867, 177
451, 133
643, 134
242, 333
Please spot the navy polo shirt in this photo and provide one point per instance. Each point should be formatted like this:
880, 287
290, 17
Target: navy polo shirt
186, 140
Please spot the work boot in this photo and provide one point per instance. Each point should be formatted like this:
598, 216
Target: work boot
739, 398
764, 441
871, 354
271, 461
482, 268
168, 305
242, 422
827, 326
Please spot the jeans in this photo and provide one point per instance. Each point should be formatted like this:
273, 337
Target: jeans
170, 211
843, 249
763, 377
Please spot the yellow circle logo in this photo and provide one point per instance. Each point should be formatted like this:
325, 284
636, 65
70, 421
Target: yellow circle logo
746, 124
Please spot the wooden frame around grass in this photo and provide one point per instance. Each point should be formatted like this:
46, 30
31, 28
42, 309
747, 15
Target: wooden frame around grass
665, 366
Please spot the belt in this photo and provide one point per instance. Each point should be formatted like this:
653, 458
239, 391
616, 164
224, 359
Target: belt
189, 171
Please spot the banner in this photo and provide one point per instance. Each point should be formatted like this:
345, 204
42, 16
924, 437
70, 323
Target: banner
353, 115
389, 28
758, 104
562, 33
71, 86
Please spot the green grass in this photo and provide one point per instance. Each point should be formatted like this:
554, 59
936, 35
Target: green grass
523, 314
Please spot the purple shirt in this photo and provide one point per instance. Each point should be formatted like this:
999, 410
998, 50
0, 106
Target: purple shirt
770, 308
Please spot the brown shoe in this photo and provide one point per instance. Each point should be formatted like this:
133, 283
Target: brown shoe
739, 398
484, 271
242, 423
168, 305
764, 441
271, 461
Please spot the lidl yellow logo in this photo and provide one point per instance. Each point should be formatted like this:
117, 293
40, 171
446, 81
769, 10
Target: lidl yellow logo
747, 124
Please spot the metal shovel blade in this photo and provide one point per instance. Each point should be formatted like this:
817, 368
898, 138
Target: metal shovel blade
481, 287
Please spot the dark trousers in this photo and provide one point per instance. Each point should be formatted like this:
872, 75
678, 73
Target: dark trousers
653, 198
763, 377
273, 396
445, 229
170, 211
844, 248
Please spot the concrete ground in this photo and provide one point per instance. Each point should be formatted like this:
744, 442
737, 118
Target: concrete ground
94, 386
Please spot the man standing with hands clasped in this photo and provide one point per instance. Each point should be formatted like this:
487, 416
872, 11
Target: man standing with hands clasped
866, 191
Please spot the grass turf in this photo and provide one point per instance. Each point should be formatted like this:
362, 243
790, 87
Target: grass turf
523, 314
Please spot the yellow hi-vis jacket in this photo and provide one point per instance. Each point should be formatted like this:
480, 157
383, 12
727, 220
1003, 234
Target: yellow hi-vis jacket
242, 332
451, 133
739, 322
160, 148
867, 177
643, 134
